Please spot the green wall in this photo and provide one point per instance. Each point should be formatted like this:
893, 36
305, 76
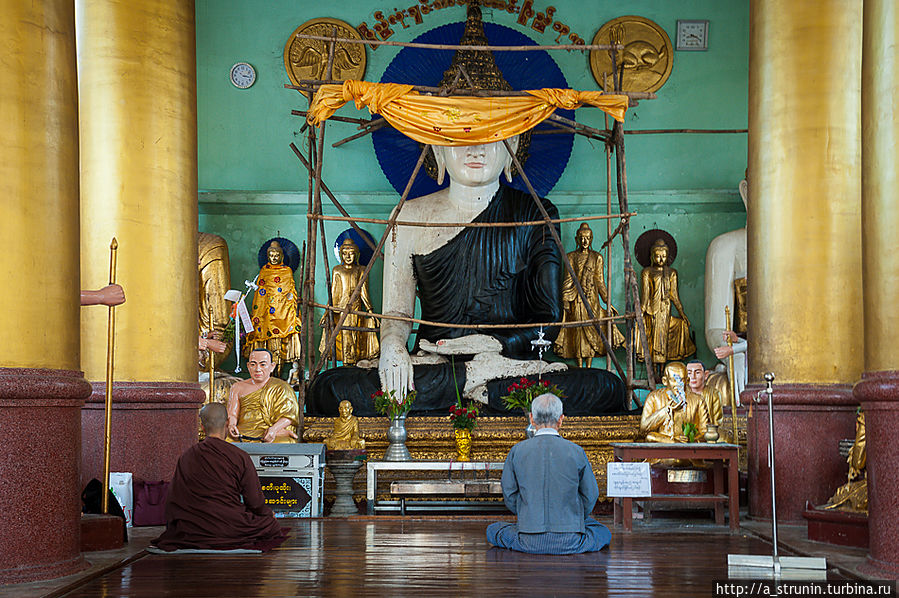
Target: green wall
253, 187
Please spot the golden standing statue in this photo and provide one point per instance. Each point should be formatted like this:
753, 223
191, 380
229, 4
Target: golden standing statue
853, 495
275, 315
667, 335
214, 271
351, 345
345, 436
667, 410
584, 343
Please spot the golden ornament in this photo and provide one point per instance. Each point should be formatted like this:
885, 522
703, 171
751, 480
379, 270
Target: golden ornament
308, 58
645, 62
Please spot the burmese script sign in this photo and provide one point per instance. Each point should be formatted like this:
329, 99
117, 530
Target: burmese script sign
627, 479
287, 496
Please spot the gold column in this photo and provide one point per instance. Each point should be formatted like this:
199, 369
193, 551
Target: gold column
137, 95
880, 207
804, 224
878, 390
38, 186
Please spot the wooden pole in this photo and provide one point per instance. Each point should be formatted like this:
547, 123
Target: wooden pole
110, 359
472, 224
390, 225
336, 203
583, 47
306, 85
555, 236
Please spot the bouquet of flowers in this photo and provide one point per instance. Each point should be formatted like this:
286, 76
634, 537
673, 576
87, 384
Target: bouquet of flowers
524, 391
387, 403
464, 418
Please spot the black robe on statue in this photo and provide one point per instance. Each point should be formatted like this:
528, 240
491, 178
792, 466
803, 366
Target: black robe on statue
483, 275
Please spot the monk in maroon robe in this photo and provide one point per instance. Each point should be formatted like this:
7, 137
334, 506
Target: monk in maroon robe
204, 508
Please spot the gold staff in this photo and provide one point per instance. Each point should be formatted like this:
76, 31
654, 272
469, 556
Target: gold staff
731, 376
209, 361
110, 352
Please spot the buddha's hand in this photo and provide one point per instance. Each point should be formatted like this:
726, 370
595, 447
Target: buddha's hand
275, 431
395, 369
464, 345
232, 428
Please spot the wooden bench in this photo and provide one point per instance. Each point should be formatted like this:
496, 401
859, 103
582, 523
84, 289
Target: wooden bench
717, 454
444, 488
452, 486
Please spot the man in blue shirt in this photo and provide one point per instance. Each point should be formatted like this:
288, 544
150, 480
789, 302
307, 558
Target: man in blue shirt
549, 484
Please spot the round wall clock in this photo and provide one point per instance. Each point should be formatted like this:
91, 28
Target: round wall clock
243, 75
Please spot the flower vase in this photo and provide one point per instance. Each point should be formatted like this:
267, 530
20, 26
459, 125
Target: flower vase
396, 438
530, 430
463, 444
711, 433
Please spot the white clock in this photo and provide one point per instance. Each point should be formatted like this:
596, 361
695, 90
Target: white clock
243, 75
692, 35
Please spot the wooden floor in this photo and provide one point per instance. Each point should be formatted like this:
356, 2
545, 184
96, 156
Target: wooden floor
390, 556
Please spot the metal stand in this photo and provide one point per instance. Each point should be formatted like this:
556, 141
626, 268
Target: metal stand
750, 565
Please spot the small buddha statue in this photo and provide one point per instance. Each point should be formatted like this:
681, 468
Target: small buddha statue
275, 314
584, 343
668, 409
853, 495
345, 436
667, 335
350, 345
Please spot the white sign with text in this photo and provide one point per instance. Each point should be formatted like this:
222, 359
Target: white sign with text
627, 479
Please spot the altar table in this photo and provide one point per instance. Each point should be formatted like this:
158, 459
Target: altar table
717, 454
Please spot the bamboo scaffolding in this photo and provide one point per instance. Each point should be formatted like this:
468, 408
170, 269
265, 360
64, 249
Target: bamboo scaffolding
469, 224
336, 203
611, 138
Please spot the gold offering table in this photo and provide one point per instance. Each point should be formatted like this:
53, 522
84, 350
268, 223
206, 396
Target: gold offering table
716, 453
449, 487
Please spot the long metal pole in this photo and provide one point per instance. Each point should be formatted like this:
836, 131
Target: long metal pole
110, 354
769, 378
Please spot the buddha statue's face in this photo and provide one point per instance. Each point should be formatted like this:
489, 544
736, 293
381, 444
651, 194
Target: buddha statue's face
659, 256
476, 165
347, 255
696, 377
584, 239
275, 256
346, 409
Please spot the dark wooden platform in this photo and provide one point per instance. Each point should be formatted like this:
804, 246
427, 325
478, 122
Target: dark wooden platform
389, 556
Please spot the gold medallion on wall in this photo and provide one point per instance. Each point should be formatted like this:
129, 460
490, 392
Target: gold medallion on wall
308, 58
645, 62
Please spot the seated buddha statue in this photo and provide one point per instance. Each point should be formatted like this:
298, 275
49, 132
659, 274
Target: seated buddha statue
345, 436
667, 410
472, 275
469, 276
853, 495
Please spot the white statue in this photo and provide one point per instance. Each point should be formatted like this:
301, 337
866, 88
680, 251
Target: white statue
725, 262
474, 173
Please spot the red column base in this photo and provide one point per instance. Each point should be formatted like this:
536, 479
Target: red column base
878, 393
40, 497
809, 421
152, 424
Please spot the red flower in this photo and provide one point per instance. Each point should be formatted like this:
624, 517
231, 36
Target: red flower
546, 383
510, 389
464, 411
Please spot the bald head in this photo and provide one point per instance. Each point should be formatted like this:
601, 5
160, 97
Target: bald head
214, 419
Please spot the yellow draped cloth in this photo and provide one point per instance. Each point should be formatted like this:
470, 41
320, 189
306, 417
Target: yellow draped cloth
457, 120
262, 408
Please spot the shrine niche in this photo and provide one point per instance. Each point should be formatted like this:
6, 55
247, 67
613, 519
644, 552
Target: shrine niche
455, 118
